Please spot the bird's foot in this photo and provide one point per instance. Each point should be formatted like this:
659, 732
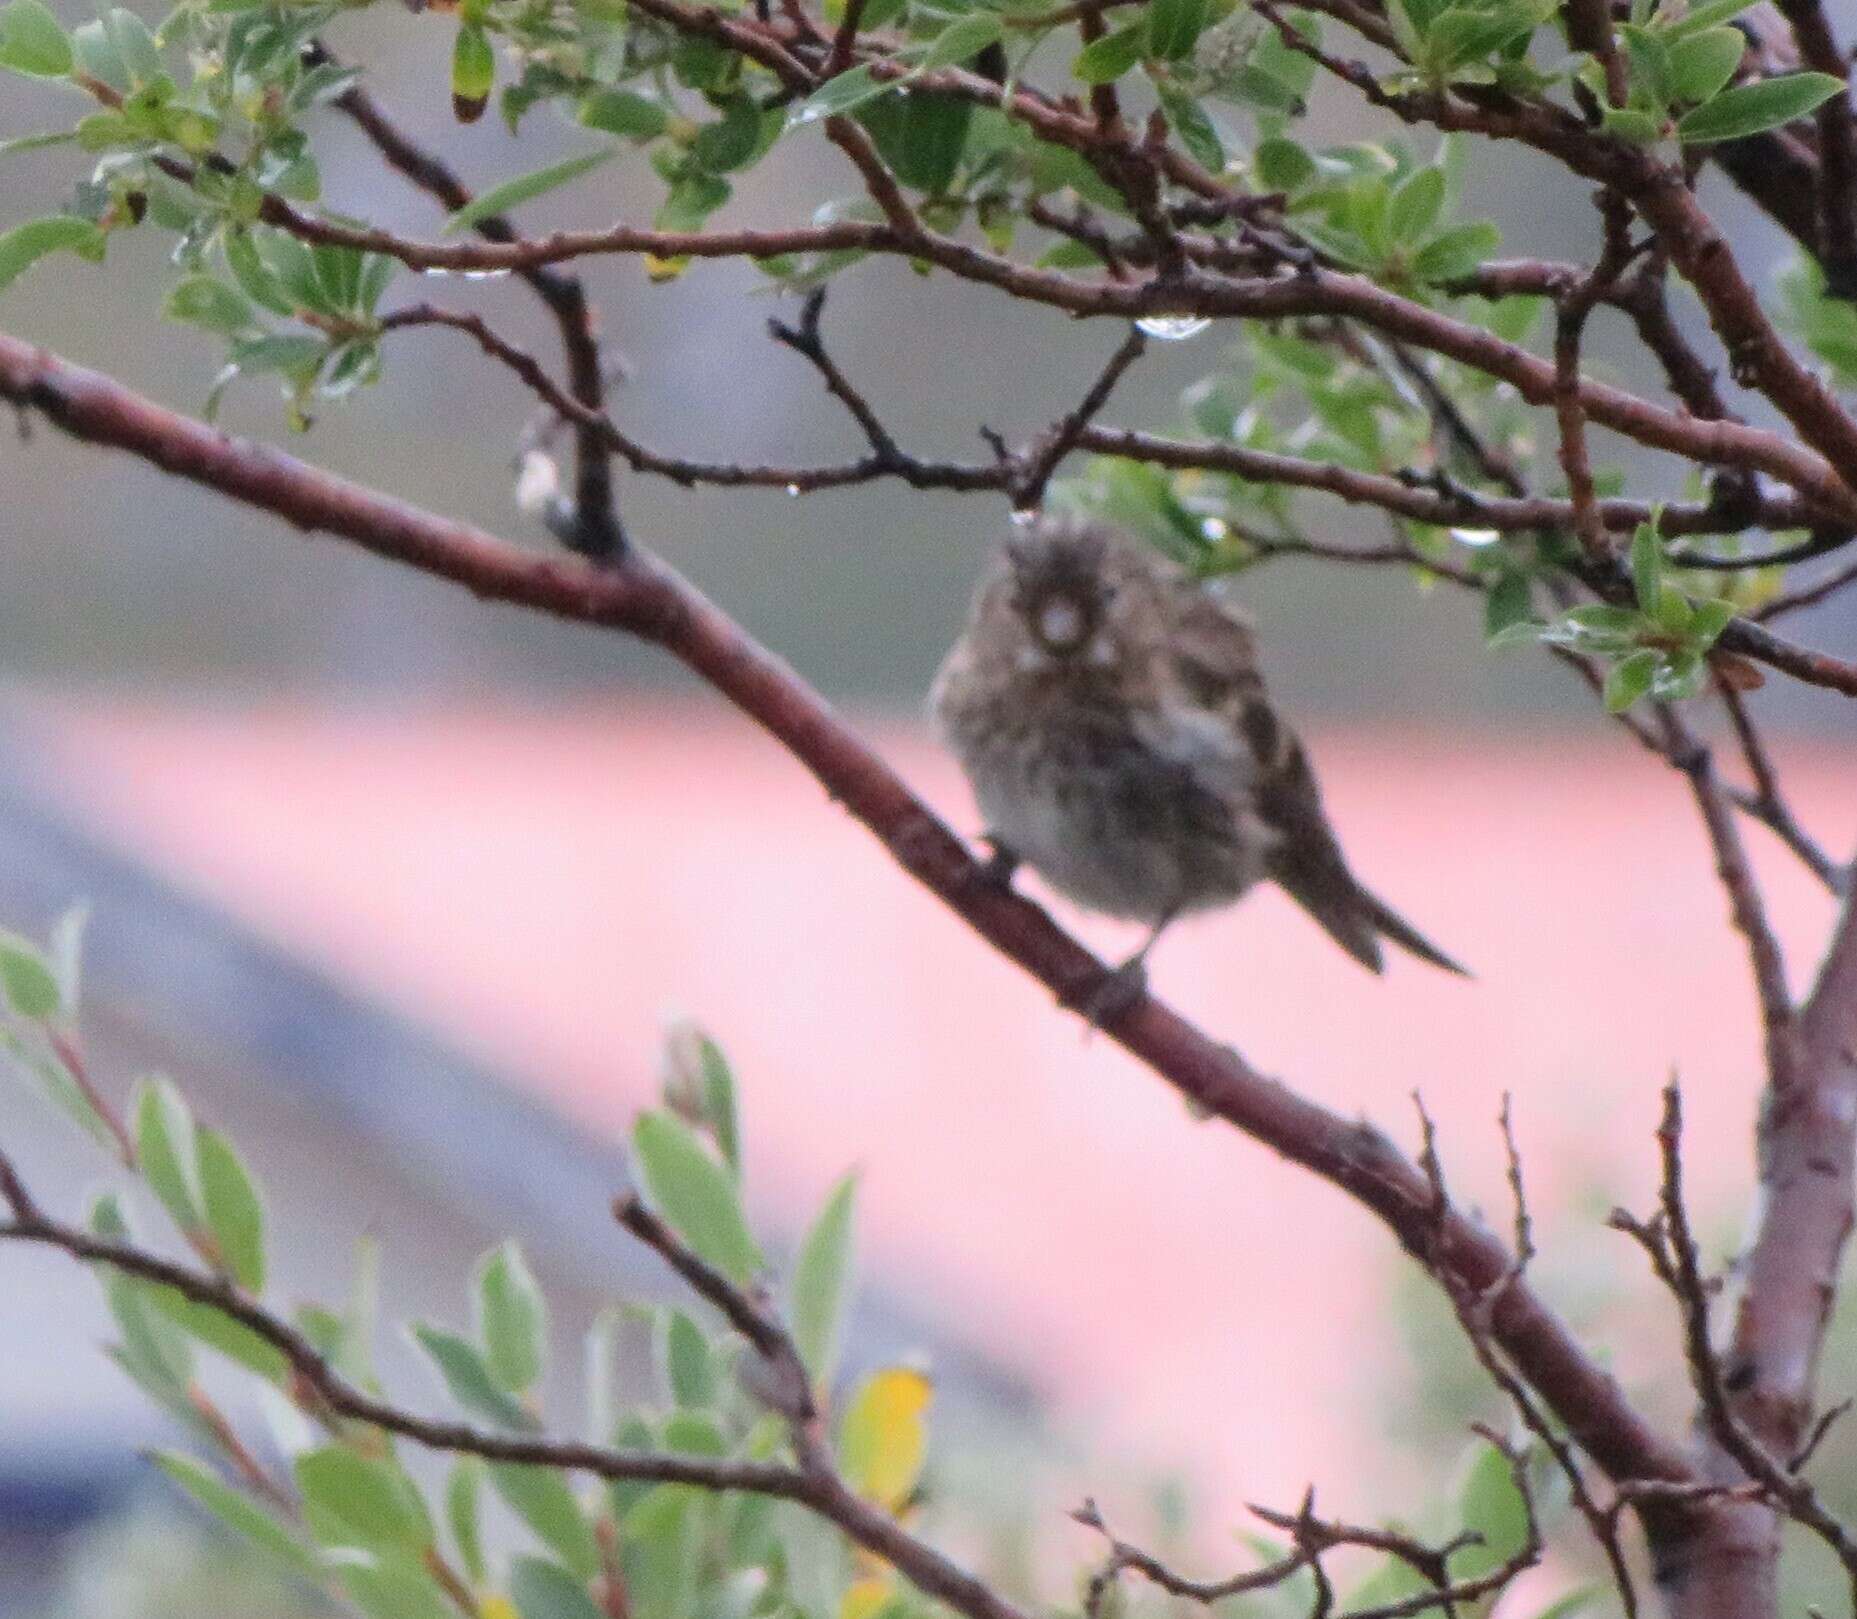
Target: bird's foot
999, 867
1116, 993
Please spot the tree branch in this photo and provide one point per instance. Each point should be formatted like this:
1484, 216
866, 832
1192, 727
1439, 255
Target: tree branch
594, 527
814, 1484
643, 597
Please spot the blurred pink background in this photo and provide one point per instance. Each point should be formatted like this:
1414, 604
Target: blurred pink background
547, 887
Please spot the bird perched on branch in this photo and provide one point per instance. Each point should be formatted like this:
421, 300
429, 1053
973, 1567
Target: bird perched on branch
1109, 712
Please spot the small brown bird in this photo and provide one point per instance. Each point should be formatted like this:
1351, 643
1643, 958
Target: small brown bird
1109, 712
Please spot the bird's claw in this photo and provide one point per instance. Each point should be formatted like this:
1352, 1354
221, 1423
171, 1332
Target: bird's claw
999, 867
1116, 993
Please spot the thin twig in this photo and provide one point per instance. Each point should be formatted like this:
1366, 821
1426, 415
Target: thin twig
1063, 435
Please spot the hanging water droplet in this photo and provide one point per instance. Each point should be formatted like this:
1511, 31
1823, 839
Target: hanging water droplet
1476, 536
793, 489
806, 115
1215, 529
538, 483
1173, 328
1024, 517
488, 275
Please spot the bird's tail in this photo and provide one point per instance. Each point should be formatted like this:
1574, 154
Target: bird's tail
1354, 918
1390, 924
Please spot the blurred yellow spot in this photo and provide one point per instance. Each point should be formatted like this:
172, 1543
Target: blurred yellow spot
494, 1607
865, 1599
885, 1435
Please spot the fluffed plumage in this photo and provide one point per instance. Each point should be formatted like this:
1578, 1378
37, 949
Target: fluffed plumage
1110, 713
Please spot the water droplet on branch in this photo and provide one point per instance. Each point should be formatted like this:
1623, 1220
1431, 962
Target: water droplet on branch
1173, 328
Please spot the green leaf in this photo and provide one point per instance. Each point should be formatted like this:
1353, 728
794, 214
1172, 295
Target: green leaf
543, 1499
32, 42
468, 1379
1105, 60
96, 56
600, 1354
46, 1070
1651, 79
1630, 124
36, 143
218, 1331
512, 193
164, 1131
201, 301
355, 1500
1283, 165
1647, 568
1674, 614
1197, 132
840, 94
135, 47
691, 202
544, 1590
1631, 678
1065, 254
1703, 63
293, 267
154, 1352
921, 137
1415, 204
1506, 605
391, 1586
26, 981
1457, 251
622, 112
719, 1107
1254, 85
695, 1194
236, 1511
254, 278
1604, 619
24, 245
733, 140
821, 1283
1523, 634
1707, 15
234, 1212
1174, 27
688, 1363
1748, 109
632, 1432
463, 1487
659, 1548
1490, 1504
1461, 35
473, 74
1710, 620
694, 1433
963, 38
512, 1319
1679, 675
